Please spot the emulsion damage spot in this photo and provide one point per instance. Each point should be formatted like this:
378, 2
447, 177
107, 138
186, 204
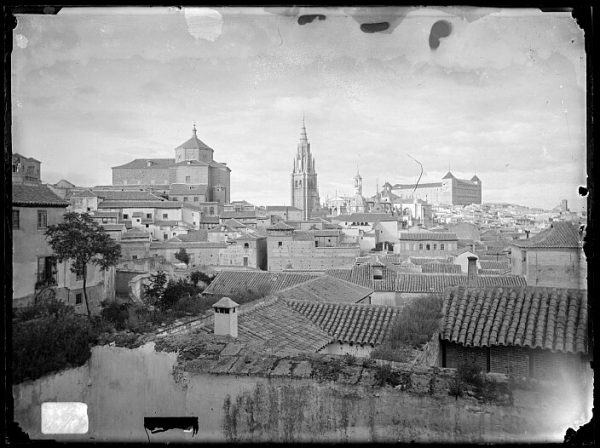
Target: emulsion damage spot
308, 18
374, 27
439, 30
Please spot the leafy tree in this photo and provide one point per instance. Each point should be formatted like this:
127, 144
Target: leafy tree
183, 256
156, 289
176, 290
197, 276
80, 240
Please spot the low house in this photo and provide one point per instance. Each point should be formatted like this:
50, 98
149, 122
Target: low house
325, 288
462, 260
526, 331
284, 212
553, 257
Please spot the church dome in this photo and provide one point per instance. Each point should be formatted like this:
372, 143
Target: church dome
358, 201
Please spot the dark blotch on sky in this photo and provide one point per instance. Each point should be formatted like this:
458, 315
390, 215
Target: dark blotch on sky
583, 191
374, 27
308, 18
439, 30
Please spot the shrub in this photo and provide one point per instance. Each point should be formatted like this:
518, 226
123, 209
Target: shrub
183, 256
199, 276
53, 307
349, 359
417, 323
385, 375
469, 373
117, 314
176, 290
49, 344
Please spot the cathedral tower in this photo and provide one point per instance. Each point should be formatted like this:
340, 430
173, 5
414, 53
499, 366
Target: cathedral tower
304, 192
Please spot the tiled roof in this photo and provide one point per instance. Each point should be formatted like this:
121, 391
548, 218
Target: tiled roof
135, 233
230, 282
174, 244
240, 215
426, 260
326, 233
196, 235
234, 224
399, 281
194, 143
280, 226
131, 195
534, 317
349, 323
558, 235
181, 189
139, 204
143, 163
83, 193
365, 217
302, 235
326, 288
113, 227
103, 214
427, 236
35, 195
278, 328
441, 268
502, 265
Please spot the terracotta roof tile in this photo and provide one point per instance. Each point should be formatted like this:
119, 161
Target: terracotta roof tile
441, 268
535, 317
496, 265
558, 235
349, 323
230, 282
35, 195
325, 288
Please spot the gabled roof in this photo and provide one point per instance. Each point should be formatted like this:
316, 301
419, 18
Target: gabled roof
140, 204
427, 236
448, 175
128, 195
326, 288
280, 226
135, 233
193, 236
113, 227
35, 195
234, 224
558, 235
80, 193
440, 268
349, 322
143, 163
233, 282
225, 302
399, 281
535, 317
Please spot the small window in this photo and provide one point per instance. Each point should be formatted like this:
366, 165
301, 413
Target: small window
212, 211
148, 215
78, 277
195, 198
246, 245
185, 198
165, 215
15, 219
316, 244
147, 225
280, 244
420, 246
188, 179
125, 216
134, 257
428, 247
42, 221
441, 246
78, 298
434, 246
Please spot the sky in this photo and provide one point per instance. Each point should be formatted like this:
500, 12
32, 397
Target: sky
502, 96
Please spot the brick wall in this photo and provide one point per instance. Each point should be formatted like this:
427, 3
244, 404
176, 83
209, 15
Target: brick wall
457, 354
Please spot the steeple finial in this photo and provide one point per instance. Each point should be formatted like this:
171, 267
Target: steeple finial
194, 129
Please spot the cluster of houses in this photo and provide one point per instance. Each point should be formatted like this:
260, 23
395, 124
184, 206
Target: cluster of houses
334, 284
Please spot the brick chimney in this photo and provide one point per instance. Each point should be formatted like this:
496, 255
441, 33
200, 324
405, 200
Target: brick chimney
226, 322
472, 272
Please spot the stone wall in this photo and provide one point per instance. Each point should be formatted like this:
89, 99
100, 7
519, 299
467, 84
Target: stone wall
255, 398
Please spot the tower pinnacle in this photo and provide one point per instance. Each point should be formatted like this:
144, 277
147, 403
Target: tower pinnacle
194, 129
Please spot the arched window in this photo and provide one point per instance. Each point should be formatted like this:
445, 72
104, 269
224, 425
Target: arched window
246, 245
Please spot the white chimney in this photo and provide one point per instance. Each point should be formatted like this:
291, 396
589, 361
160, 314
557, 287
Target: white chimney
226, 322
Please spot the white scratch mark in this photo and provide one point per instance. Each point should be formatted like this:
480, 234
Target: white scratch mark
204, 23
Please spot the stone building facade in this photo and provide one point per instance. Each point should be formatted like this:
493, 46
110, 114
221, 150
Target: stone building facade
304, 187
192, 175
449, 191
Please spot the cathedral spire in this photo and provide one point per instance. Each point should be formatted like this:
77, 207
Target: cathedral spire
303, 137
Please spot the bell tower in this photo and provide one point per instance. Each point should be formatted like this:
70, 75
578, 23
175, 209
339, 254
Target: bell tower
304, 189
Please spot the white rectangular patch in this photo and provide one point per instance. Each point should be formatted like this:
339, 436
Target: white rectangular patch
64, 418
